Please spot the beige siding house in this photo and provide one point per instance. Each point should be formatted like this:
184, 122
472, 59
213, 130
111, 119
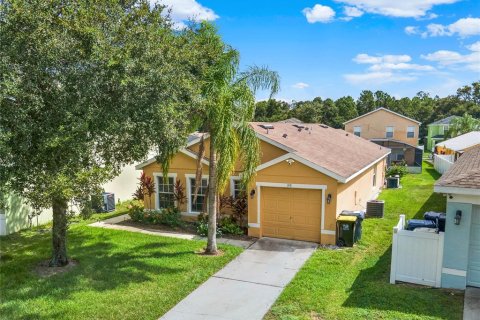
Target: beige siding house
308, 174
392, 130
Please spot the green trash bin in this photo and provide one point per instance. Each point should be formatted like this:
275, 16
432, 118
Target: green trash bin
346, 231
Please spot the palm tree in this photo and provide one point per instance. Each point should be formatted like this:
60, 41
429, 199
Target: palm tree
229, 106
462, 125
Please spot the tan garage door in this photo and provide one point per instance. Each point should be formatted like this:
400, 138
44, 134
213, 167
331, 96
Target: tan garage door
291, 213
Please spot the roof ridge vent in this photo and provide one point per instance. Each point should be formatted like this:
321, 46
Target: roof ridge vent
267, 126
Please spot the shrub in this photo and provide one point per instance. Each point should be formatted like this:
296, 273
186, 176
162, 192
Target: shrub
136, 210
400, 170
228, 225
167, 217
171, 217
202, 226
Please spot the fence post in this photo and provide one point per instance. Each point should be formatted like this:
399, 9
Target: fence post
393, 264
438, 279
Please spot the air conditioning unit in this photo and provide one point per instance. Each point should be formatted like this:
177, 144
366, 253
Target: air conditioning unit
375, 208
108, 202
393, 182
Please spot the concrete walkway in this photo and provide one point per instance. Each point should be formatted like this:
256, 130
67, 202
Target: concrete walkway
247, 287
113, 223
471, 306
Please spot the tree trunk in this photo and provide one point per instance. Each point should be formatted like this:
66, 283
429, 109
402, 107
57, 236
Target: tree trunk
59, 234
212, 202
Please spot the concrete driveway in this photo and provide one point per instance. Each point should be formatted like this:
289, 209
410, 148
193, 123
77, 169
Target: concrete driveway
471, 306
247, 287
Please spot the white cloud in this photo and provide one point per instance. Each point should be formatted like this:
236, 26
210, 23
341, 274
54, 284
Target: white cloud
464, 28
396, 8
455, 60
352, 12
386, 69
368, 59
319, 13
376, 78
474, 46
411, 30
301, 85
182, 10
401, 66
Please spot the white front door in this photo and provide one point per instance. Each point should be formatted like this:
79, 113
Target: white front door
473, 271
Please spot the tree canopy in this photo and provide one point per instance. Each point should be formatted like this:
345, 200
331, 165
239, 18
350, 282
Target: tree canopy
86, 87
421, 107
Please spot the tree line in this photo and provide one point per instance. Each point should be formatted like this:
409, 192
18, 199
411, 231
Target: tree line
422, 107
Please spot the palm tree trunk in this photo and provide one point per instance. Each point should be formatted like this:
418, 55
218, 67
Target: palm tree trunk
59, 233
212, 202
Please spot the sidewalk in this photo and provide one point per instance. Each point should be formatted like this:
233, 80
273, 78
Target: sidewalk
113, 223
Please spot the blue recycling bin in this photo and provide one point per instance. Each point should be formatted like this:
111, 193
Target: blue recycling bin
438, 217
416, 223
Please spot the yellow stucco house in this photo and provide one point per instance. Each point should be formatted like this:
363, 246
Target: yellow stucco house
309, 174
391, 130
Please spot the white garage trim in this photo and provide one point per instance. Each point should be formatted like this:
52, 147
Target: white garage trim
322, 187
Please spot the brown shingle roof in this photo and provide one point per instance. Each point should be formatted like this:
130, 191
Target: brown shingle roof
464, 173
333, 149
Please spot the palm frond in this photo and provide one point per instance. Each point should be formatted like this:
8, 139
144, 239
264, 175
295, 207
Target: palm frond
261, 78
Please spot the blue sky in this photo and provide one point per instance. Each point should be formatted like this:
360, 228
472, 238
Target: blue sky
336, 48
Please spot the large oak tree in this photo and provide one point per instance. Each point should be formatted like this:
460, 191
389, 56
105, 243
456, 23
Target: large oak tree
86, 87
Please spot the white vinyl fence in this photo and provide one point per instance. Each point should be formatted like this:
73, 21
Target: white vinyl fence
416, 256
442, 162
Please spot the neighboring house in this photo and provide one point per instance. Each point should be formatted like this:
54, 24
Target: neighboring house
18, 215
458, 145
391, 130
436, 132
461, 254
308, 174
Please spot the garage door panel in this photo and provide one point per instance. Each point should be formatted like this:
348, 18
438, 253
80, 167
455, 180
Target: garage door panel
291, 213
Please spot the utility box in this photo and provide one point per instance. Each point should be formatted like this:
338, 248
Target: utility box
346, 231
375, 208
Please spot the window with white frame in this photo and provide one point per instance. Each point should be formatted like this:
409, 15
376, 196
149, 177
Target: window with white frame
411, 132
389, 132
165, 192
199, 205
236, 187
357, 131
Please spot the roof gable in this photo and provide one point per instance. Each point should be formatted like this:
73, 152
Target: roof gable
464, 173
334, 152
383, 109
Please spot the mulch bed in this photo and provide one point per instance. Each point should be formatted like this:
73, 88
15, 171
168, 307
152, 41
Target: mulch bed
188, 228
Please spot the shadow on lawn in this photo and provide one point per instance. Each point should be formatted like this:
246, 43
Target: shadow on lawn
372, 290
103, 265
436, 202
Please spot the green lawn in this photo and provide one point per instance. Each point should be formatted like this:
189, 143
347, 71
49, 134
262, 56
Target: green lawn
121, 275
354, 283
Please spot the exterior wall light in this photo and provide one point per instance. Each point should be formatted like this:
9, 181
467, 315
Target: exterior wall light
252, 193
290, 161
458, 217
329, 198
